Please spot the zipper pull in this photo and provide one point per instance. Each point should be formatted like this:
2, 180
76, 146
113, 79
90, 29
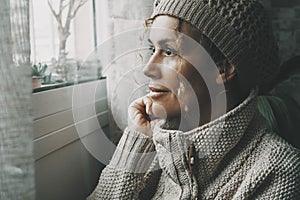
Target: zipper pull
191, 159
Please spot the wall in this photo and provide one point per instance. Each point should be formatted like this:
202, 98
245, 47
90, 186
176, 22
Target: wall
285, 17
68, 144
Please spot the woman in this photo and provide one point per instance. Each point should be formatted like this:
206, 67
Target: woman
214, 155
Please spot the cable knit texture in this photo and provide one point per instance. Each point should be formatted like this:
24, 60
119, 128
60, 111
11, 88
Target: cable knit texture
239, 28
236, 157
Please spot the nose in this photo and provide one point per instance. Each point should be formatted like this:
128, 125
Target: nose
153, 68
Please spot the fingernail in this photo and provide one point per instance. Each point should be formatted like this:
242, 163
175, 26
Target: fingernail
147, 109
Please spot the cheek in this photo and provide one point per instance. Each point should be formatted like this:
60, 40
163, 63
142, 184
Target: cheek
194, 89
201, 91
170, 76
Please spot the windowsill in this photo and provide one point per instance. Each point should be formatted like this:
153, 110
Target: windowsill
46, 87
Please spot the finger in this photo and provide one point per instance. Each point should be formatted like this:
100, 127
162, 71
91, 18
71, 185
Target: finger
137, 109
143, 104
148, 102
134, 112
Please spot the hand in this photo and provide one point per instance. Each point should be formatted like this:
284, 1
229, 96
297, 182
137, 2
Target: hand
139, 115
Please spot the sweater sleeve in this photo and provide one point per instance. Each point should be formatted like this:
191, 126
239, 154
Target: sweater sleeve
130, 167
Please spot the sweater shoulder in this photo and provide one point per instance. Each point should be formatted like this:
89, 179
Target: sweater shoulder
279, 154
277, 145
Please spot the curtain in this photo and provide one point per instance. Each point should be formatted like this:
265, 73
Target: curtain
16, 134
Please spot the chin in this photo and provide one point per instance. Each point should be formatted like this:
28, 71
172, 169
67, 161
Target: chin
164, 110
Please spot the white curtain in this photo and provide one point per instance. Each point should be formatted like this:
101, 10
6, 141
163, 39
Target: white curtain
16, 135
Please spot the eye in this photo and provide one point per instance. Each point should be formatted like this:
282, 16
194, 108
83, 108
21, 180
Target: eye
151, 49
170, 52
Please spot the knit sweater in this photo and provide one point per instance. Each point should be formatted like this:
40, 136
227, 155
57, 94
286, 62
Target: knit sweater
234, 157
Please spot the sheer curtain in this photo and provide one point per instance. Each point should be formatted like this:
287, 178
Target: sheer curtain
16, 135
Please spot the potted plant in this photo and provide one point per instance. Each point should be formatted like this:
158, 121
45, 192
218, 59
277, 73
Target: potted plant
38, 72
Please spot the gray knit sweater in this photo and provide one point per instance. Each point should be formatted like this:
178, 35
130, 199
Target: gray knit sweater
234, 157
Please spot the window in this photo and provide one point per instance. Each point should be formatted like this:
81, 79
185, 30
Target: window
45, 37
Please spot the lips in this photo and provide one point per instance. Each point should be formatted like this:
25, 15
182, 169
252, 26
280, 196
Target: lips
157, 91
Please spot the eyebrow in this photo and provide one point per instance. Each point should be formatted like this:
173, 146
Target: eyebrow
164, 41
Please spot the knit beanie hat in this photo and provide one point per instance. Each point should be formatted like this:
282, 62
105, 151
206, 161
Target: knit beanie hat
239, 28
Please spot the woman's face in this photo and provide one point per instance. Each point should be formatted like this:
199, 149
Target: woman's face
174, 81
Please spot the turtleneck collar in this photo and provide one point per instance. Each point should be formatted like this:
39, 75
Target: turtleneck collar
212, 141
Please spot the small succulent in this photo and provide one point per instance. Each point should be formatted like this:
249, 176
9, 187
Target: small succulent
39, 70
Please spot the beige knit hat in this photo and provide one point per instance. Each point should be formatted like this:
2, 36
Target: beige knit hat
239, 28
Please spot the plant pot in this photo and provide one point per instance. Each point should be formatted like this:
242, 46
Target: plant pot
36, 82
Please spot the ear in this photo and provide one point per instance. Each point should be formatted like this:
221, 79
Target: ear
223, 78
